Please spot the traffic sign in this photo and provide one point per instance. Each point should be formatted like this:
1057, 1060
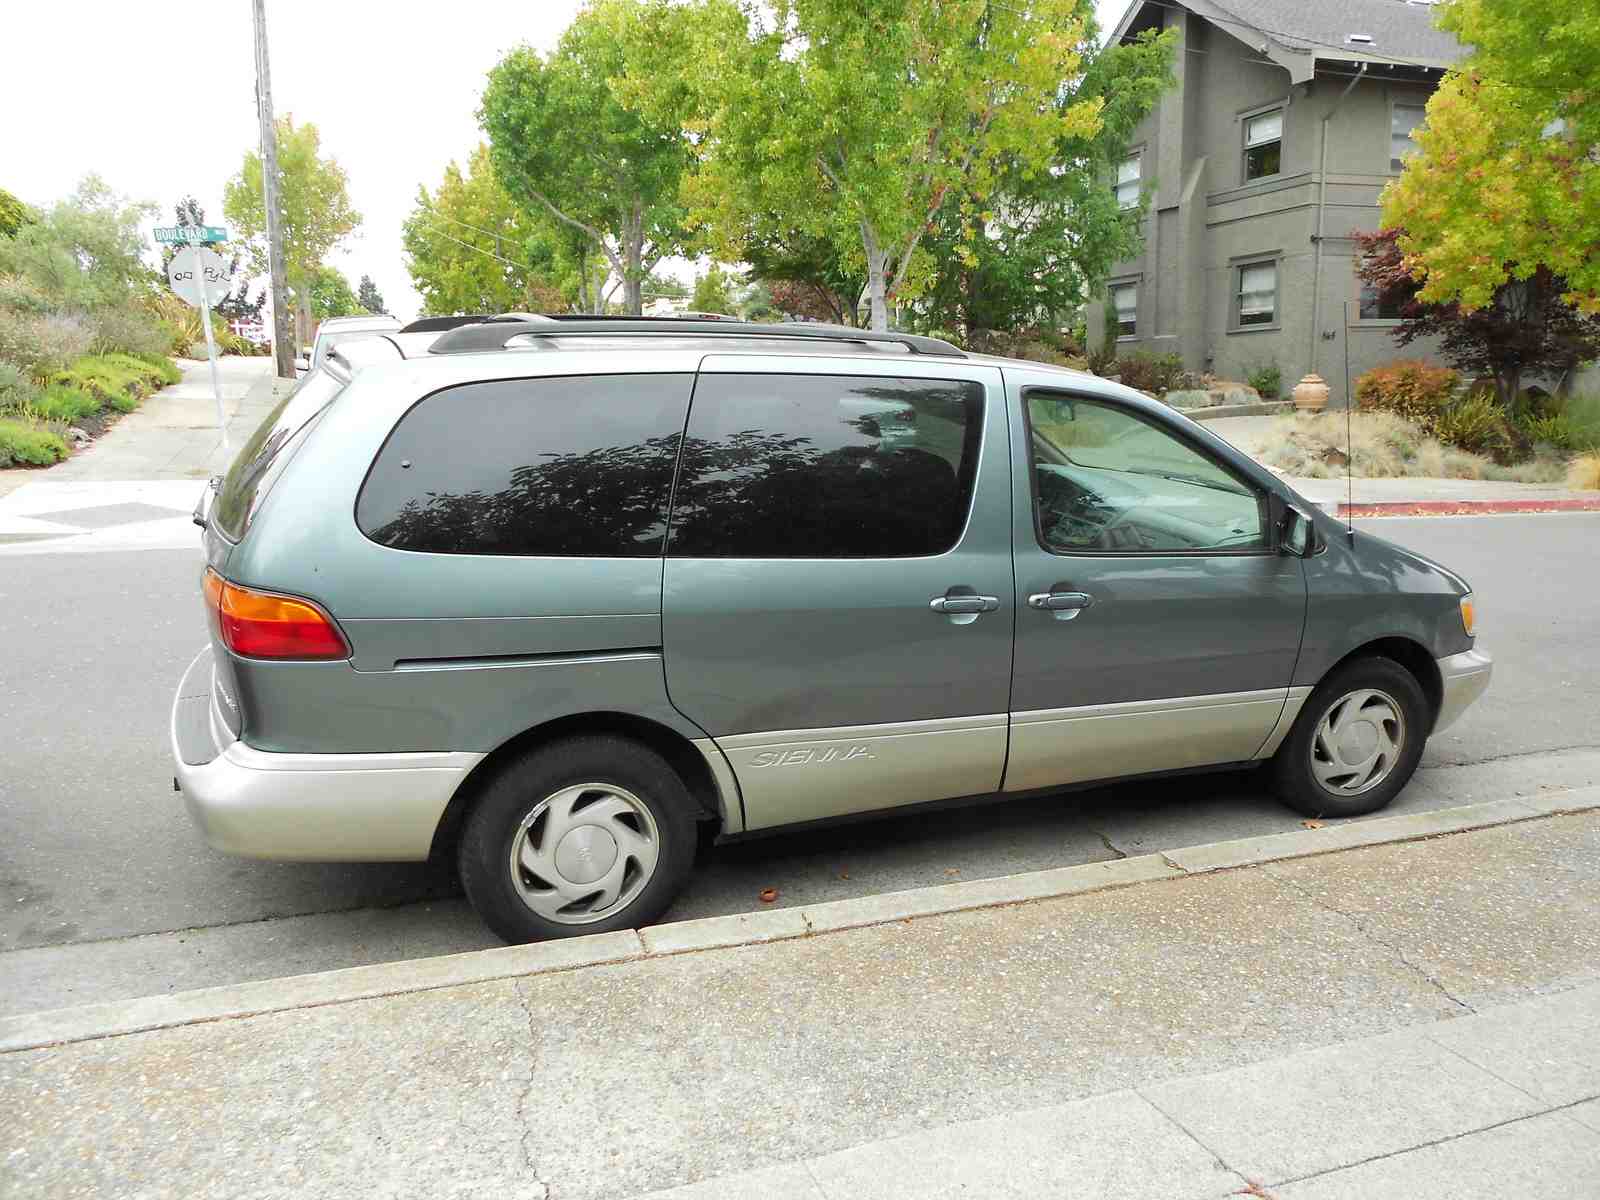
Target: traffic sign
195, 266
191, 235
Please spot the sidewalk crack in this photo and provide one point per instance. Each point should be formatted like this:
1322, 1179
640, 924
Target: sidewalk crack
1251, 1187
541, 1188
1109, 845
1370, 935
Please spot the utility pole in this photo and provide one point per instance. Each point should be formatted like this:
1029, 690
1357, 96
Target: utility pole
282, 342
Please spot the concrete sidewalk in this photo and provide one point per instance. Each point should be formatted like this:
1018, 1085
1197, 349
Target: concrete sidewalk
173, 434
1310, 1014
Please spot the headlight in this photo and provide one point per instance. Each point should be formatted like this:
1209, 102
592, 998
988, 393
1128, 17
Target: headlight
1467, 615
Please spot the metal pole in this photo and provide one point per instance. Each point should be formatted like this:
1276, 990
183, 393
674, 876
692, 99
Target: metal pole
282, 343
211, 342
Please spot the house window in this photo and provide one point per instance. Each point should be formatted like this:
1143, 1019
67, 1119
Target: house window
1403, 121
1256, 302
1380, 306
1127, 188
1125, 296
1263, 144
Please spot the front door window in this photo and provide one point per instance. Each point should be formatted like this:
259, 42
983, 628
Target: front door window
1107, 480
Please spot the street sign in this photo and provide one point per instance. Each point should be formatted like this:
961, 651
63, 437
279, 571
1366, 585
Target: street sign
200, 277
192, 266
191, 235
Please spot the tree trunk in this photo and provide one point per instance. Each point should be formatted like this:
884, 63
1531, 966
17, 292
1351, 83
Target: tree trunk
876, 269
303, 315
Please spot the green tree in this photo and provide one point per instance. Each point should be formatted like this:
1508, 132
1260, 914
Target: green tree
470, 248
807, 276
563, 142
1506, 180
713, 292
331, 295
84, 252
316, 213
862, 120
14, 214
369, 297
1044, 240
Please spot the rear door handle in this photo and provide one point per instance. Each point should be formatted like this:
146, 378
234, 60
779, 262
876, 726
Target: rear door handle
1065, 605
964, 604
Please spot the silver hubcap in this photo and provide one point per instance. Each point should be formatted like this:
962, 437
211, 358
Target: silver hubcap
1358, 742
583, 853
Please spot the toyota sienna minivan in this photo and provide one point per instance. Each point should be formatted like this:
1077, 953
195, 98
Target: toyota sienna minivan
549, 594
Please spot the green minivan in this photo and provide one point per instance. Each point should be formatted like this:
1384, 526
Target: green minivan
550, 594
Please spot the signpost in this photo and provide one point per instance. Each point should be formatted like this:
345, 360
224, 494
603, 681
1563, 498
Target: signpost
200, 277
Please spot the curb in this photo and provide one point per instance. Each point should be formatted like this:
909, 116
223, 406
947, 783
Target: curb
34, 1031
1458, 508
1259, 408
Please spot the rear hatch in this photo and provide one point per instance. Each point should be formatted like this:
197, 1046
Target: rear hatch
210, 690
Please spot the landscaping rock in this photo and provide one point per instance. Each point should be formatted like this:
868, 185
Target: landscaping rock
77, 436
1190, 398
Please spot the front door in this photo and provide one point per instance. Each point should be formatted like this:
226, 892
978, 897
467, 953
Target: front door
837, 602
1157, 628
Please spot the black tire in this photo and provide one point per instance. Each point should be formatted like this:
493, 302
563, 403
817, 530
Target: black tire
1294, 780
493, 826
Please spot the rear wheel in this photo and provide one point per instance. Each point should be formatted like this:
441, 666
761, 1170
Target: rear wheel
1356, 742
583, 836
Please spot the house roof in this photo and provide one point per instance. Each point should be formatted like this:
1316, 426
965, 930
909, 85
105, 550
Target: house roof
1298, 33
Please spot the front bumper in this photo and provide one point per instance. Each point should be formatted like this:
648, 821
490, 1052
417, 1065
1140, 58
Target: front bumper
304, 807
1465, 677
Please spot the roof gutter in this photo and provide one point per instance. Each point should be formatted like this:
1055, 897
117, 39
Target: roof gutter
1322, 206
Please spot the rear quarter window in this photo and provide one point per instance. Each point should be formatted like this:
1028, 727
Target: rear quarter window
565, 466
264, 456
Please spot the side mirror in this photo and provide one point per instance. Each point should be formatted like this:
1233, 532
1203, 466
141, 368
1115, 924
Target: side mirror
1294, 531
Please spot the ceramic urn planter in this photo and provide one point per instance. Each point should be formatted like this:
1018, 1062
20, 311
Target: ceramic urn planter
1311, 394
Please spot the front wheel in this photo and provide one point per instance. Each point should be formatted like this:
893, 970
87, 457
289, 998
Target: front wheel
1356, 742
584, 836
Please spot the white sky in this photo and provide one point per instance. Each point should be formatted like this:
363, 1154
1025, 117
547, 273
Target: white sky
112, 86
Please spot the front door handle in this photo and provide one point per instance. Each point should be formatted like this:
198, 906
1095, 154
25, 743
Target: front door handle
1064, 605
964, 604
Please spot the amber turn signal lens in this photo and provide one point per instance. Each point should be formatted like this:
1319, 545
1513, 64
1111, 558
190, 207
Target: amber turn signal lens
264, 625
1467, 615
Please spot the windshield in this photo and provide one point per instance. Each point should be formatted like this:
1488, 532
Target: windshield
248, 481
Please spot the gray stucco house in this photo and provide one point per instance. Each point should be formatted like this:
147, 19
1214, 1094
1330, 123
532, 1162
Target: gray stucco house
1288, 118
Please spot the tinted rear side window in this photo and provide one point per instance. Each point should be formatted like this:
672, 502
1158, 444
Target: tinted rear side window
251, 475
576, 465
826, 466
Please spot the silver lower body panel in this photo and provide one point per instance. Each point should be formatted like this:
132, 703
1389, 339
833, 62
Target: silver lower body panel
1464, 677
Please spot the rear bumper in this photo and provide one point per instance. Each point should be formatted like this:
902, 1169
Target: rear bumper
305, 807
1465, 677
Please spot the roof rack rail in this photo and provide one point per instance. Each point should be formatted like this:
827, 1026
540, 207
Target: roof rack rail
495, 332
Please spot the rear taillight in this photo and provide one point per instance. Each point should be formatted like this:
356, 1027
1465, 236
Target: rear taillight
262, 625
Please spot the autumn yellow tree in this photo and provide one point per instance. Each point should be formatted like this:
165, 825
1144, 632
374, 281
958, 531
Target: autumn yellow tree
1507, 178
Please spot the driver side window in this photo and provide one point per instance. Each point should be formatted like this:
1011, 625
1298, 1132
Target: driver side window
1105, 480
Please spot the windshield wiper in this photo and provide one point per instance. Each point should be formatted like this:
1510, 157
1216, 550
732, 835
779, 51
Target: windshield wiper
1197, 480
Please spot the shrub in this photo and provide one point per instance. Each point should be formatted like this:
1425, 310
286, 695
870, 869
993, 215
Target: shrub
23, 442
17, 391
1103, 361
166, 370
1410, 388
1584, 472
1313, 445
1476, 423
127, 331
1150, 372
59, 402
42, 344
22, 294
1267, 379
119, 380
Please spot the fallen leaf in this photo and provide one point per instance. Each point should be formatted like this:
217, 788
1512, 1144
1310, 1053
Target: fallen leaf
1312, 823
844, 874
952, 870
768, 895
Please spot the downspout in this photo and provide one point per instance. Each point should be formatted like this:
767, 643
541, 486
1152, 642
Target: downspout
1322, 204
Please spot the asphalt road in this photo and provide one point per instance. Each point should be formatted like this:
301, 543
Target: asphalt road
107, 891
